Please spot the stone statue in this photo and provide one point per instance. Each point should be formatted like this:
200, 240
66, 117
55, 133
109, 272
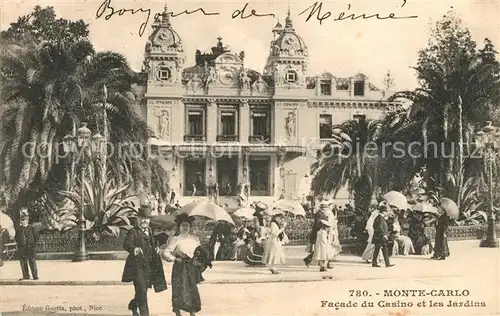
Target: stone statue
194, 83
148, 46
146, 65
164, 124
245, 79
260, 85
210, 76
290, 123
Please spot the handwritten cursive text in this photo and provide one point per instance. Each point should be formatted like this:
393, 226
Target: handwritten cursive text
316, 8
106, 10
241, 13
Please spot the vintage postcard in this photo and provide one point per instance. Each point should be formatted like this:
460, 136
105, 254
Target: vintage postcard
268, 157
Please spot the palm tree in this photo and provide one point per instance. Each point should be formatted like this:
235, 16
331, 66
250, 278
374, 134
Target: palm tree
48, 89
448, 107
350, 161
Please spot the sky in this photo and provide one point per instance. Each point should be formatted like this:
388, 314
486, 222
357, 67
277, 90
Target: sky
343, 48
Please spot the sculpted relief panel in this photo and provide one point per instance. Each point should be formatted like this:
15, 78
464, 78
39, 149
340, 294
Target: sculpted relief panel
291, 125
163, 123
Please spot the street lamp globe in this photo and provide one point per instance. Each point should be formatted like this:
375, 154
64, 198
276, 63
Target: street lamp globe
83, 135
98, 144
69, 144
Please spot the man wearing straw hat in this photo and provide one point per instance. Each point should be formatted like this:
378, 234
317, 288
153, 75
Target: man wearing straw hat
320, 215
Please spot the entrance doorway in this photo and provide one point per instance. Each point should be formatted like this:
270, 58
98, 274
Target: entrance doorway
260, 172
194, 177
227, 175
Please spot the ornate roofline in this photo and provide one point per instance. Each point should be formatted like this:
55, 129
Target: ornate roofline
352, 104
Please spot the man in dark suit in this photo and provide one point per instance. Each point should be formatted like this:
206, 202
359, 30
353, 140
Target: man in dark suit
143, 266
318, 217
380, 236
172, 197
27, 240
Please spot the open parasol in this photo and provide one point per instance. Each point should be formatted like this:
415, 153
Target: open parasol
7, 224
245, 212
450, 207
293, 207
396, 199
205, 208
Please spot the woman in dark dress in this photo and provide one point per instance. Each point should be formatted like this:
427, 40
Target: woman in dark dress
417, 232
186, 272
221, 236
441, 250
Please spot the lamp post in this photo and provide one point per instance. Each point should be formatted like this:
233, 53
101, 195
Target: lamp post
488, 139
83, 148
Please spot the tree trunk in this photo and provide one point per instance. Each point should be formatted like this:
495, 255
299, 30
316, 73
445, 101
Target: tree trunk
363, 192
460, 153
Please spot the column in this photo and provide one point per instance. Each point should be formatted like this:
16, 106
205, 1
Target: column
212, 121
244, 121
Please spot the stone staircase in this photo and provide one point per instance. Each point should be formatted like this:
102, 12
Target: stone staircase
231, 201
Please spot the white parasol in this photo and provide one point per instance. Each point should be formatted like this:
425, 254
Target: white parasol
7, 224
205, 208
396, 199
293, 207
245, 212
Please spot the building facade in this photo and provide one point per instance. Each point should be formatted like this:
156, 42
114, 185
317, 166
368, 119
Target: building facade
221, 126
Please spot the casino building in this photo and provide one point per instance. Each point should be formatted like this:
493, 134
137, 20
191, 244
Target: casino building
218, 122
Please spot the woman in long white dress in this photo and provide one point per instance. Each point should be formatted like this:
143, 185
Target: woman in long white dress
274, 254
368, 253
323, 250
335, 235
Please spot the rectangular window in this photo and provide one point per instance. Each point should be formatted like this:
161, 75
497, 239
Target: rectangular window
228, 123
326, 87
260, 123
259, 175
325, 126
359, 88
195, 117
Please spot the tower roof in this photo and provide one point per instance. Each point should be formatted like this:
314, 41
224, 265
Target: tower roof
288, 41
164, 37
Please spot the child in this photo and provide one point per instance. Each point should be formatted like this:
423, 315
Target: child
323, 251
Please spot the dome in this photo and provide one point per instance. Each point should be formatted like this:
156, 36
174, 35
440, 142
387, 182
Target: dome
288, 41
164, 36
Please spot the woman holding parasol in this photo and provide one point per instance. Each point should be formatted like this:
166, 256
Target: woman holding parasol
448, 209
189, 261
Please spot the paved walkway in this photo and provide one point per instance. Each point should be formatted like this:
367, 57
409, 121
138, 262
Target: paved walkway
466, 257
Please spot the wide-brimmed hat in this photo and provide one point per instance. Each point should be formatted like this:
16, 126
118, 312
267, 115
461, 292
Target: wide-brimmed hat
144, 211
260, 207
183, 217
326, 223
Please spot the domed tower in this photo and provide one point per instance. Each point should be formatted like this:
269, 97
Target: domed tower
164, 56
287, 61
